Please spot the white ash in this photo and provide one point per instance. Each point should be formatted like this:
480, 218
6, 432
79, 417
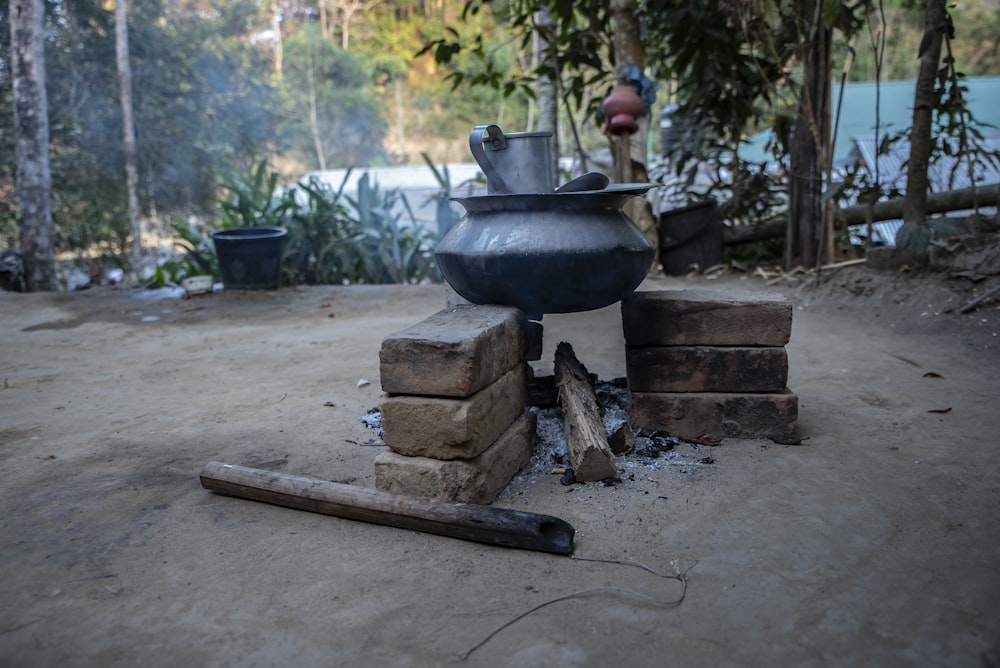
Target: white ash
654, 450
373, 420
614, 402
550, 451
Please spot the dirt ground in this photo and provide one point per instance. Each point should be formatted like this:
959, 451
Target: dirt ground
874, 543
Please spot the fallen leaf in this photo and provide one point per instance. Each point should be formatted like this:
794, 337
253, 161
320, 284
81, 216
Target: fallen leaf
940, 410
931, 374
363, 381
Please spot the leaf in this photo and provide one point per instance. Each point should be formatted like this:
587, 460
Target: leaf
831, 10
940, 410
932, 374
926, 42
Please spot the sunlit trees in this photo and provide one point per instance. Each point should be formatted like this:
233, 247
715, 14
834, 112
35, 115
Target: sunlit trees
330, 103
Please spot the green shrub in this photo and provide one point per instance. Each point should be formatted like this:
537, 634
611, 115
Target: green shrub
331, 238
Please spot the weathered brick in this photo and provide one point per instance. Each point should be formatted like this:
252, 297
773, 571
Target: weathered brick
706, 369
453, 428
691, 414
453, 353
476, 480
701, 317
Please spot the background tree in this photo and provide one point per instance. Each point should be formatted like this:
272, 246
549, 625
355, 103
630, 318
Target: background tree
207, 91
330, 98
128, 133
32, 132
914, 235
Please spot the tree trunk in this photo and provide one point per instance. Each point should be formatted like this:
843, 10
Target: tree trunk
547, 90
628, 51
31, 127
324, 21
128, 135
279, 49
397, 87
811, 134
629, 151
314, 116
913, 236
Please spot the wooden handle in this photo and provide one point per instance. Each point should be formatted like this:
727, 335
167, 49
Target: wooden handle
483, 524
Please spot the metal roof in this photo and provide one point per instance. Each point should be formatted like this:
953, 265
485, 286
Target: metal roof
894, 99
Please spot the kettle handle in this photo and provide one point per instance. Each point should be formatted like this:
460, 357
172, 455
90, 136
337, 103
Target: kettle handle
498, 142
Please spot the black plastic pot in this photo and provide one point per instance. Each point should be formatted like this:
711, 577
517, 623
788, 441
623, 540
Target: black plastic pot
690, 238
250, 257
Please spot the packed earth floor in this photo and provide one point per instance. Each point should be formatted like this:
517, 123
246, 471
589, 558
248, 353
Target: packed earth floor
876, 542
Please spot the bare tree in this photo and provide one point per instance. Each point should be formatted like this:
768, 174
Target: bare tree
811, 142
31, 122
631, 159
314, 113
914, 235
279, 46
547, 87
128, 134
347, 9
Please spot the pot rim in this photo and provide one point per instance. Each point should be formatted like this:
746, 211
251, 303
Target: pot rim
250, 233
609, 198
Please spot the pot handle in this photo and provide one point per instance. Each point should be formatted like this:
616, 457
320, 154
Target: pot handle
498, 142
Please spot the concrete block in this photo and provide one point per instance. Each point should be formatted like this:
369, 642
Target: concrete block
453, 353
453, 428
702, 317
706, 369
476, 480
691, 414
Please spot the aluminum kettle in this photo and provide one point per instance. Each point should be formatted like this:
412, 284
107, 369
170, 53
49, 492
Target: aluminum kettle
513, 162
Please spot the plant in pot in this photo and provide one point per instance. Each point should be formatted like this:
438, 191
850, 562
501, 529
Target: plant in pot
249, 242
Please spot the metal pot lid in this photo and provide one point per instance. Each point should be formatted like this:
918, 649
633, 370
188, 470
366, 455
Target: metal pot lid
621, 189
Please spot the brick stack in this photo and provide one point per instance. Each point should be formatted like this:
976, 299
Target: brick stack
710, 362
455, 418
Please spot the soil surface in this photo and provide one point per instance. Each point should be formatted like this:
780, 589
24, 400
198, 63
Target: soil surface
876, 542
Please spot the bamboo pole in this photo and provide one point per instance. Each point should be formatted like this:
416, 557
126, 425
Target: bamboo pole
483, 524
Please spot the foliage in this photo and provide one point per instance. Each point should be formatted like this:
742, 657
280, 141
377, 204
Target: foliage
957, 133
254, 199
323, 245
578, 40
391, 252
331, 238
332, 113
444, 214
197, 102
210, 89
904, 26
748, 193
196, 256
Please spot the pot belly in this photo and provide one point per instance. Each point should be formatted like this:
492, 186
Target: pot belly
547, 282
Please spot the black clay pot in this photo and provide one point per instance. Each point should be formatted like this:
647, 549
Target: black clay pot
552, 253
250, 257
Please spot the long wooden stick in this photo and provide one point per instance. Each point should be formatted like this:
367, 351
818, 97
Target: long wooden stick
980, 299
483, 524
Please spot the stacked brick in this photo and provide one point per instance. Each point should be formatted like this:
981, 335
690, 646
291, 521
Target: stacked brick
710, 362
454, 417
